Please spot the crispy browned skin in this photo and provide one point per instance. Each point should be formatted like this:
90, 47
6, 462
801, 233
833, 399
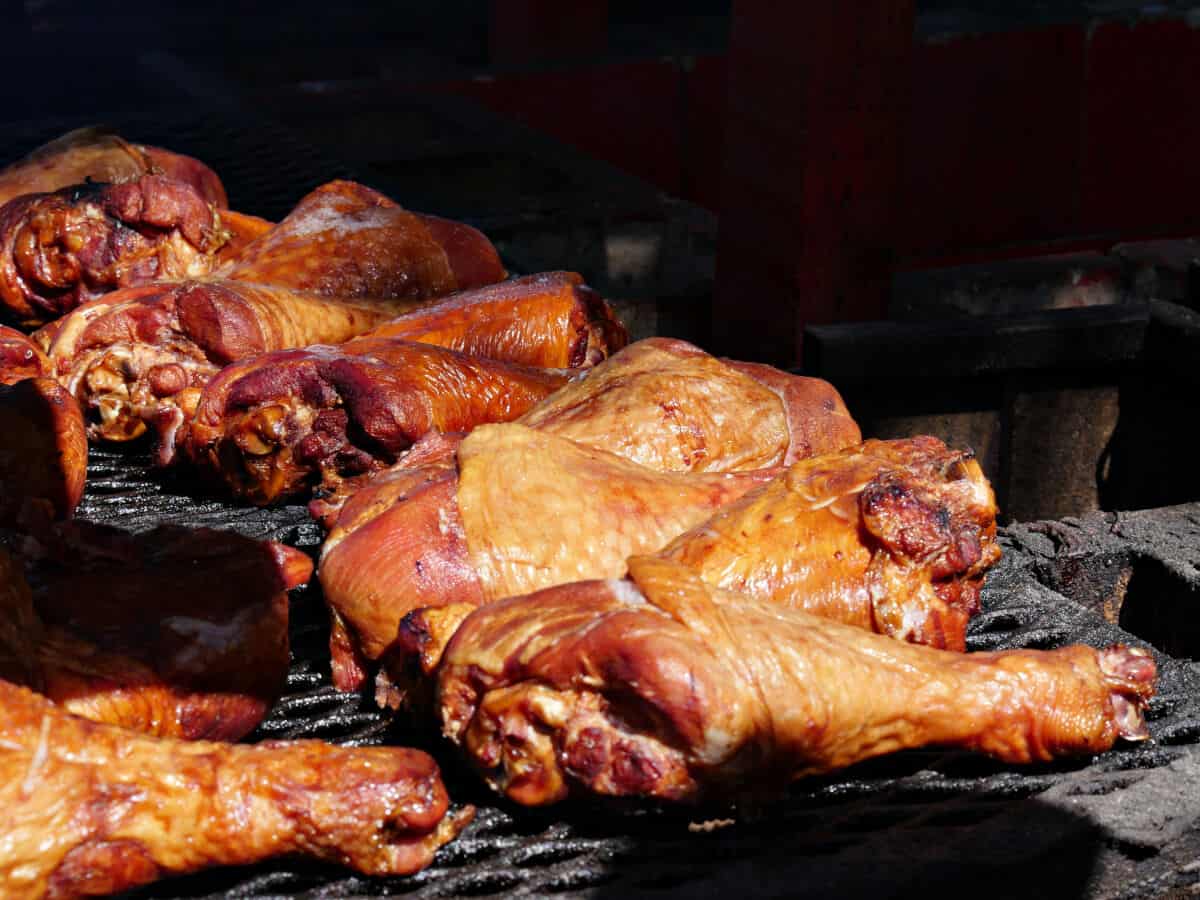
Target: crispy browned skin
892, 536
552, 320
277, 424
43, 452
669, 405
668, 688
347, 240
90, 809
524, 510
131, 633
93, 154
140, 356
20, 357
61, 249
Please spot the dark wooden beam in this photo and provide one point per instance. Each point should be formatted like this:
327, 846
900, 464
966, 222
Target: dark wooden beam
818, 94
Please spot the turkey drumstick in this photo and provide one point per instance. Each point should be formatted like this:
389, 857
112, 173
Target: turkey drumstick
89, 809
665, 687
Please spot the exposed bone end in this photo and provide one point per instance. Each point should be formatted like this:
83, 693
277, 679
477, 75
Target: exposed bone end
1130, 673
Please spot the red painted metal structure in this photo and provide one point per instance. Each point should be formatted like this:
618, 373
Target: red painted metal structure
988, 145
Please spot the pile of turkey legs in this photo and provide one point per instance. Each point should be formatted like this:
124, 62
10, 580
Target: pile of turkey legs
631, 570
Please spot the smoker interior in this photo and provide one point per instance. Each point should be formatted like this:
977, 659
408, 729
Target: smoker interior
1118, 825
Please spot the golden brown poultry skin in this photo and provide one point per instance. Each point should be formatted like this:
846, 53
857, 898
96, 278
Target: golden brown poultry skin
345, 239
551, 320
139, 357
665, 687
94, 154
668, 405
43, 453
891, 536
61, 249
277, 424
124, 631
522, 509
20, 357
89, 809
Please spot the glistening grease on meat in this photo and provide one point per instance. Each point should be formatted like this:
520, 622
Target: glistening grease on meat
89, 809
664, 687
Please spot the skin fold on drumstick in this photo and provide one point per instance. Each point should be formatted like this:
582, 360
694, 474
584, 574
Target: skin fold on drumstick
95, 154
90, 809
43, 454
120, 629
665, 687
522, 509
61, 249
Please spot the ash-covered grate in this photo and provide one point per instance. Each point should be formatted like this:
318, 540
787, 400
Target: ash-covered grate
1122, 824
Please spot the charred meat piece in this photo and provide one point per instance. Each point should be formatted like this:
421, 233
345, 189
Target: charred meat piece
129, 631
90, 809
94, 154
20, 357
669, 405
891, 536
522, 510
665, 687
61, 249
139, 357
43, 454
347, 240
552, 320
277, 424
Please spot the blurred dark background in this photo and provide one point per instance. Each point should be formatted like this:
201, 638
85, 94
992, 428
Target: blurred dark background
975, 218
